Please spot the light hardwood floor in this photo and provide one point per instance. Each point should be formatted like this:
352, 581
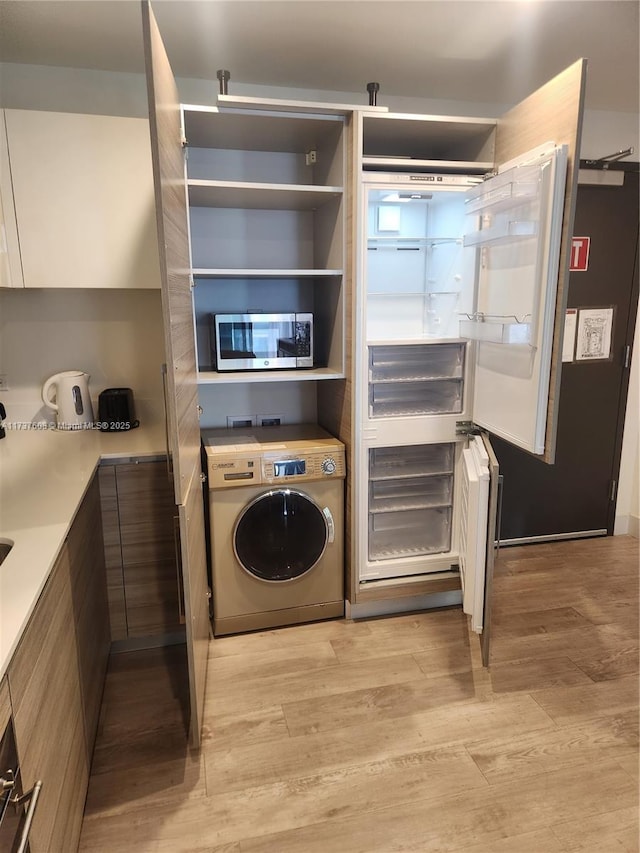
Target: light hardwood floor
388, 735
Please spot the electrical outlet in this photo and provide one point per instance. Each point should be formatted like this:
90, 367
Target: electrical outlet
240, 421
311, 157
4, 382
269, 420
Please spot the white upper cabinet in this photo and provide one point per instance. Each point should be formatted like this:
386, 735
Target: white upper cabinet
10, 265
84, 202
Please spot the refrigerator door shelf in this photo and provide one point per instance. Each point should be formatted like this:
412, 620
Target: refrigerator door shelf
497, 331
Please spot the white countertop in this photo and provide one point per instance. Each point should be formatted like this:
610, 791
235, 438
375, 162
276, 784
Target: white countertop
44, 475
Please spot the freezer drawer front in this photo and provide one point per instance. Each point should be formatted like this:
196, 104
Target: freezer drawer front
473, 530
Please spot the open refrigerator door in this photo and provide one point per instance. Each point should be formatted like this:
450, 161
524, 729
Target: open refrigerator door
517, 232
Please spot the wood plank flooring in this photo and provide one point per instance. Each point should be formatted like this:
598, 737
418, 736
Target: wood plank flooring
387, 734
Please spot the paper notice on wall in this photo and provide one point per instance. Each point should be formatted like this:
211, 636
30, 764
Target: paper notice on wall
569, 339
595, 327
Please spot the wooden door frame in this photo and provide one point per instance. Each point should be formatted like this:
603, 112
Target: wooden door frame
628, 342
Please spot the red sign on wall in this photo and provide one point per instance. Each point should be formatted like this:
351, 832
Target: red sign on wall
579, 261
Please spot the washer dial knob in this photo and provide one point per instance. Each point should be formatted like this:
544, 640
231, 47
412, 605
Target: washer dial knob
329, 465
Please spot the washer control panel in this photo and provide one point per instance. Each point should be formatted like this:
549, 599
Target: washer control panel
271, 455
308, 466
290, 468
329, 465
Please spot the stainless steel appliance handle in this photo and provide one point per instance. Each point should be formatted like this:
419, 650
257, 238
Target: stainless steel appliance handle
166, 421
32, 795
176, 545
498, 531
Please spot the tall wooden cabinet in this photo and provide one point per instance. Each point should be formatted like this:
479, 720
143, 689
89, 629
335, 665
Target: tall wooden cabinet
182, 405
273, 212
252, 215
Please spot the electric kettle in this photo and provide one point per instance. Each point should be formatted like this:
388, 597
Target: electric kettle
72, 401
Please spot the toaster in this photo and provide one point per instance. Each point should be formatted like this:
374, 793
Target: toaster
116, 411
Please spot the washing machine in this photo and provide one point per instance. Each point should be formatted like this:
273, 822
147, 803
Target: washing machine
276, 513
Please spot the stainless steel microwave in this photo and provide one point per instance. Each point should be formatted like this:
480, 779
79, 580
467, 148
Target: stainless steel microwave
261, 341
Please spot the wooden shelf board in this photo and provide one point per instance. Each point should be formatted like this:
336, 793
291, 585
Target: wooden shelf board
259, 196
264, 273
308, 107
260, 376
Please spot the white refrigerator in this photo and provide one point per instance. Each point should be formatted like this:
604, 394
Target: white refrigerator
454, 324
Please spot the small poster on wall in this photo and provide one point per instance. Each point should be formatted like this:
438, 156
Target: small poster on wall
595, 327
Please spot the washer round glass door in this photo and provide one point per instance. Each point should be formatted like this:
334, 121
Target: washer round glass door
280, 535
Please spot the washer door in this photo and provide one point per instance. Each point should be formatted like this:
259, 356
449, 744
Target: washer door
280, 535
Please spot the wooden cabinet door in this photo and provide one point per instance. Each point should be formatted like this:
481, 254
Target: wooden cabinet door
48, 715
146, 510
5, 706
182, 387
112, 551
83, 195
90, 613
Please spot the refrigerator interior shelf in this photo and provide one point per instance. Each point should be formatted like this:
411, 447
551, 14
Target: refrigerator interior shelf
401, 475
504, 232
426, 294
419, 550
496, 331
418, 241
409, 378
501, 198
407, 506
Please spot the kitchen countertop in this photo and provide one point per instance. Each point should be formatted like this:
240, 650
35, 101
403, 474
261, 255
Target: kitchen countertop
44, 475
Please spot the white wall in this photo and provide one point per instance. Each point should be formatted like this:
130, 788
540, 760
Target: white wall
77, 90
116, 336
35, 87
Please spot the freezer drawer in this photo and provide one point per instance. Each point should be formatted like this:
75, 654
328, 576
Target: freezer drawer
405, 362
435, 397
416, 379
414, 493
409, 533
410, 501
412, 460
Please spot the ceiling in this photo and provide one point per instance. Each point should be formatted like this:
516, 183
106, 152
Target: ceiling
491, 51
